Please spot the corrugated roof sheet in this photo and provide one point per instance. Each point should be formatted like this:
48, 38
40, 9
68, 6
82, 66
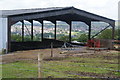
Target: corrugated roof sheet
24, 11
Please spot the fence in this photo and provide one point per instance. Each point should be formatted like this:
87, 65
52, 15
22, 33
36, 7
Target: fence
85, 65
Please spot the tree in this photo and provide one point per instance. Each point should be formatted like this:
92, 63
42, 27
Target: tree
16, 37
64, 38
37, 37
106, 34
117, 34
27, 38
83, 38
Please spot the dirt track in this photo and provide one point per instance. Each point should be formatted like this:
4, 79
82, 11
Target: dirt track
33, 54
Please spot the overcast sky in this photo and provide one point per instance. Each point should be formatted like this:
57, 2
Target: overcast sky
107, 8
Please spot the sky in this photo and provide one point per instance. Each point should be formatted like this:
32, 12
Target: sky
106, 8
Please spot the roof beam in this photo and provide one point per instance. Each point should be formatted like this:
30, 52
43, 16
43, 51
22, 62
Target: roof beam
61, 15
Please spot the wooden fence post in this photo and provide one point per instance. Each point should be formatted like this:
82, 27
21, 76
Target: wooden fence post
39, 65
51, 49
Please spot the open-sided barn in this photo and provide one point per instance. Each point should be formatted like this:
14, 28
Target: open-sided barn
67, 14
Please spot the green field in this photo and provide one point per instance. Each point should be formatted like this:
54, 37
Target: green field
92, 66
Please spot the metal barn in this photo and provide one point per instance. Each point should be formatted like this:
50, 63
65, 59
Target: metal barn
66, 14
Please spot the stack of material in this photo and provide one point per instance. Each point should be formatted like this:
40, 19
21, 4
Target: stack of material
101, 43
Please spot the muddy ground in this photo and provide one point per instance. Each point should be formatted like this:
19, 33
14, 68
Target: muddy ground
57, 52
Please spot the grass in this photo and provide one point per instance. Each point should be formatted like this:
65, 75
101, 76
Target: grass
86, 67
19, 70
71, 67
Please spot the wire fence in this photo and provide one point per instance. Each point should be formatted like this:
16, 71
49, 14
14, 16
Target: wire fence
41, 68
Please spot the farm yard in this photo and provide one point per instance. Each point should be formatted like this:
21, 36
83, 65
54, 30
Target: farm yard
63, 64
61, 49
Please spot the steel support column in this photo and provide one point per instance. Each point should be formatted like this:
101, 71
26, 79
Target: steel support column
113, 34
113, 31
9, 36
70, 23
42, 29
89, 33
22, 31
42, 24
32, 30
55, 30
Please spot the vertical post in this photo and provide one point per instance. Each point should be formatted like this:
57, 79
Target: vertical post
9, 36
42, 30
32, 30
70, 31
51, 49
89, 33
55, 30
113, 34
22, 30
94, 46
39, 65
113, 31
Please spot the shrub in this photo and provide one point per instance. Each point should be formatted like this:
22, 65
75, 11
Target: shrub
3, 51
